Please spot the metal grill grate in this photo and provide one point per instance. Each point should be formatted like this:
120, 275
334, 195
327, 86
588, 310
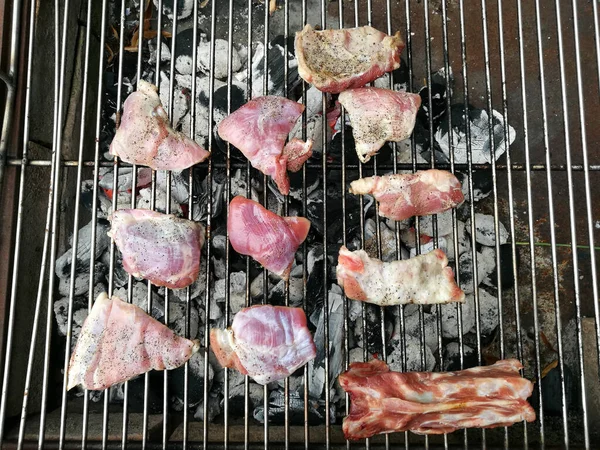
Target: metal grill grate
536, 64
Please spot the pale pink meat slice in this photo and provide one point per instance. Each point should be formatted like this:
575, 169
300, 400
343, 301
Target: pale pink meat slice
383, 401
379, 115
296, 152
401, 196
336, 60
145, 136
270, 239
424, 279
162, 248
119, 341
259, 130
265, 342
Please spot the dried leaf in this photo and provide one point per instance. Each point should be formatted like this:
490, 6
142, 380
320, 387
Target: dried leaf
204, 3
272, 6
549, 367
547, 343
111, 54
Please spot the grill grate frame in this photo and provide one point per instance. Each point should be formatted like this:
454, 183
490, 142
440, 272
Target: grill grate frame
57, 166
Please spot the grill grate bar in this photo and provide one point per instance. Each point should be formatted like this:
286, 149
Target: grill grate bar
584, 149
572, 218
19, 226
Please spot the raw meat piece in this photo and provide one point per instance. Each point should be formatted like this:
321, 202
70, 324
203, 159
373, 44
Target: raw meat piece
425, 279
296, 152
379, 115
336, 60
401, 196
145, 136
434, 403
265, 342
259, 130
159, 247
119, 341
270, 239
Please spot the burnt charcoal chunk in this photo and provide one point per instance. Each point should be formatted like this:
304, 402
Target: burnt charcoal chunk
276, 413
552, 392
506, 268
155, 393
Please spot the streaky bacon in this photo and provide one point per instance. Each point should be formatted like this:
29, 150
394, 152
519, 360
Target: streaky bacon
401, 196
379, 115
265, 342
270, 239
383, 401
425, 279
336, 60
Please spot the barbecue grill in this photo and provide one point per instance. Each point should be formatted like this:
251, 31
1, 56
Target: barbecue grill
510, 95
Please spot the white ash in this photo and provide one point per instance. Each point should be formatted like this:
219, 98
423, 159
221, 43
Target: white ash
139, 298
297, 271
215, 310
444, 224
257, 286
196, 366
404, 153
413, 356
480, 143
165, 52
220, 60
160, 201
486, 263
237, 291
478, 193
295, 383
463, 240
314, 130
202, 85
213, 408
450, 317
179, 186
106, 207
177, 319
430, 246
356, 355
183, 64
239, 186
488, 311
388, 239
63, 264
81, 282
180, 100
296, 286
485, 230
256, 392
354, 310
125, 180
412, 327
184, 8
452, 353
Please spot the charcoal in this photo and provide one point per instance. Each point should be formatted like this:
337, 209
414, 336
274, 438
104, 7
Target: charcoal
463, 240
443, 221
237, 396
61, 311
488, 312
183, 59
485, 230
423, 147
177, 319
356, 355
184, 8
552, 391
486, 263
137, 395
442, 244
221, 58
82, 263
388, 240
195, 379
452, 357
277, 293
139, 298
165, 52
120, 276
413, 356
277, 62
449, 318
257, 286
336, 322
214, 408
477, 121
82, 280
438, 99
239, 186
201, 209
482, 184
276, 412
237, 291
412, 327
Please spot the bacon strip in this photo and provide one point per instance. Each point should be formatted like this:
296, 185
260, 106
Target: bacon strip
434, 403
425, 279
401, 196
